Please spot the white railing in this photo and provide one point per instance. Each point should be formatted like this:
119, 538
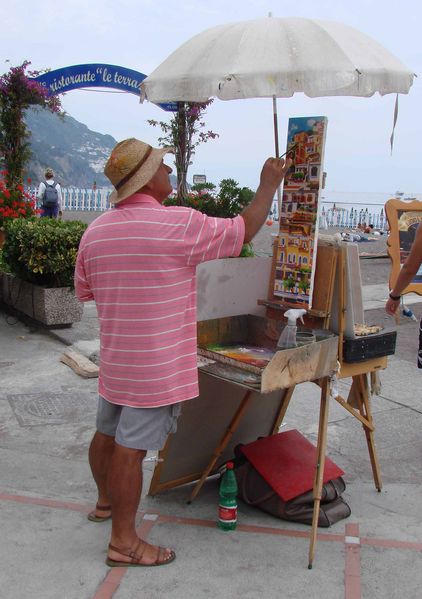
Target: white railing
88, 200
85, 199
349, 218
341, 217
97, 200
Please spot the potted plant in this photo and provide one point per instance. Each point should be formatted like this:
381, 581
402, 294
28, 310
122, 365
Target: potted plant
38, 259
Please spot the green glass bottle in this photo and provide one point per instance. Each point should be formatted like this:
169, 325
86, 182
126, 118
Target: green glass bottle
227, 507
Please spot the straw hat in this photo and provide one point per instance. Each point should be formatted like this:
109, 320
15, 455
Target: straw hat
131, 165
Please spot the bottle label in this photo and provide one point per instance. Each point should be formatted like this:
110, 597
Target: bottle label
227, 514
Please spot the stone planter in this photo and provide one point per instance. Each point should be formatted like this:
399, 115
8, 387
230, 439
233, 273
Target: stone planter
49, 306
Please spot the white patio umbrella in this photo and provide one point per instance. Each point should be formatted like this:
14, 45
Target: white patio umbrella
276, 58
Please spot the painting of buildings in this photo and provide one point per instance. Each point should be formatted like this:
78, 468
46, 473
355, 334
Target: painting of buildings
296, 248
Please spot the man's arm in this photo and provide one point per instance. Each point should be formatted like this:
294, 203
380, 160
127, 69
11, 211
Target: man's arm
407, 272
257, 211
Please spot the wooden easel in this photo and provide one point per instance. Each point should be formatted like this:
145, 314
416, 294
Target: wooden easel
325, 272
331, 263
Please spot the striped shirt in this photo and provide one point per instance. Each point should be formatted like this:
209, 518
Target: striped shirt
138, 262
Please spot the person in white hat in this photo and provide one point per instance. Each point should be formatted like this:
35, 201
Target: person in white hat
138, 262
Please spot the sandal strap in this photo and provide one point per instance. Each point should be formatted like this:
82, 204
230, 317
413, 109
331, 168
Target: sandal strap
160, 555
132, 553
113, 548
136, 557
103, 508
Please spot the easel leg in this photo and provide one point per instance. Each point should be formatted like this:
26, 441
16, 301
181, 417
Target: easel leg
352, 398
284, 404
362, 393
319, 472
375, 382
223, 443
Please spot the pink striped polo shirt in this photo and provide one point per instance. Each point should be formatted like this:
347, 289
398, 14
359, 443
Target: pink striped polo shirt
138, 262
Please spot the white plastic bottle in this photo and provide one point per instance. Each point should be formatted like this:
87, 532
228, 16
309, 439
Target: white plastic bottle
288, 335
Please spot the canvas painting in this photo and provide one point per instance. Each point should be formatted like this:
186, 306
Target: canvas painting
296, 248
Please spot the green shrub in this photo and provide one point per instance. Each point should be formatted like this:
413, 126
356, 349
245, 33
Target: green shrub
3, 266
227, 202
43, 250
247, 251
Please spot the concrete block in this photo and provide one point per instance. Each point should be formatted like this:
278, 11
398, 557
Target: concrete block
50, 306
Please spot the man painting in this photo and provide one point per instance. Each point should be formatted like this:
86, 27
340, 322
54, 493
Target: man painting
138, 262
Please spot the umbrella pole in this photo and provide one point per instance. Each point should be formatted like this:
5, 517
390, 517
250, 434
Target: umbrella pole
277, 150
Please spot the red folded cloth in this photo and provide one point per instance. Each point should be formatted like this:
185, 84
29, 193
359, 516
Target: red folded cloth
287, 461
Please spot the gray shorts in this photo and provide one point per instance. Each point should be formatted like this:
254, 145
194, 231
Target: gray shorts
137, 428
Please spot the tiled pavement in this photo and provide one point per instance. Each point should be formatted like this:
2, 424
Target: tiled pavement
50, 550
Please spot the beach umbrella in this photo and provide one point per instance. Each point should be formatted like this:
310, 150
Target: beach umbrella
276, 58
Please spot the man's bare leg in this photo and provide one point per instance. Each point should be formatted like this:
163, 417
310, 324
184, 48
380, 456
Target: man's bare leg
100, 454
124, 487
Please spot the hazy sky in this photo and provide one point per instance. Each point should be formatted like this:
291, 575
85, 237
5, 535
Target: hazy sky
139, 34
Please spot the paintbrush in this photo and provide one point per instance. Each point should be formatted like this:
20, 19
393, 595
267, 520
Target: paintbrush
289, 150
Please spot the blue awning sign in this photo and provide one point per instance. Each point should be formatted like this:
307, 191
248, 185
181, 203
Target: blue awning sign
80, 76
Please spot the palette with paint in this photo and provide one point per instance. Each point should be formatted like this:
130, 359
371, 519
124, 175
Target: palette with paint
249, 354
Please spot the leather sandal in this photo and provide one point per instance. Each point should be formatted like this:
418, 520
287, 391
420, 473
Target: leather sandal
135, 558
93, 517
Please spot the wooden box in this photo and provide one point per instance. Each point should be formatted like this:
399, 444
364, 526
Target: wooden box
284, 369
